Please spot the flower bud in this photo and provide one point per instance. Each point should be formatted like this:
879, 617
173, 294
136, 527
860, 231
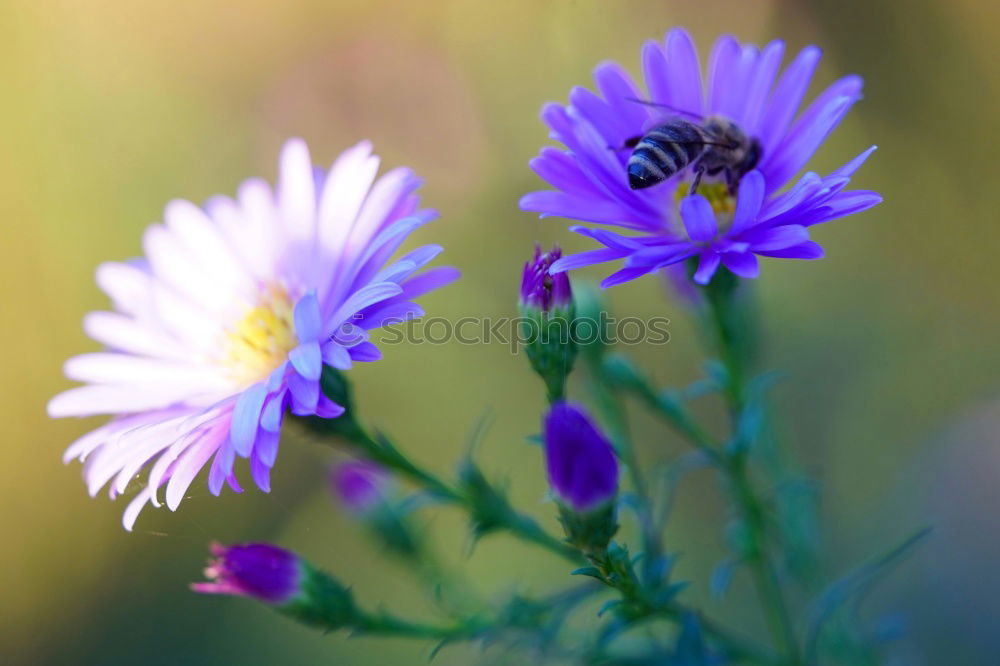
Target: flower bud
368, 492
360, 485
547, 321
259, 570
542, 290
583, 473
281, 579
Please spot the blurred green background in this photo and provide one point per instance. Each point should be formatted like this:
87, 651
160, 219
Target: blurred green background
111, 108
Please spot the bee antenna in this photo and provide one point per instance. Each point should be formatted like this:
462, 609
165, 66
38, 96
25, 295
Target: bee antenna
664, 106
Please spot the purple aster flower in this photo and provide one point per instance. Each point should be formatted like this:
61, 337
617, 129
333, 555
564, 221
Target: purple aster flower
360, 485
715, 226
581, 464
259, 570
539, 288
227, 322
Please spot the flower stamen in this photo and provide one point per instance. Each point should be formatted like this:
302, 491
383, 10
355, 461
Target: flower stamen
262, 339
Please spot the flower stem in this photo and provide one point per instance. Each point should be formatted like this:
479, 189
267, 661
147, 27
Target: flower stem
390, 625
487, 505
639, 602
732, 345
611, 407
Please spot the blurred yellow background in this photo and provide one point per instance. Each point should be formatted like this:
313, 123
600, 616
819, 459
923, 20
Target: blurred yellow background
111, 108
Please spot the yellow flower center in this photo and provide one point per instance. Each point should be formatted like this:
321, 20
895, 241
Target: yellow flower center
261, 340
722, 202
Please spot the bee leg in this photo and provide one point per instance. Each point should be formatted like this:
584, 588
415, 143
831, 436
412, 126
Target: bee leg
698, 173
731, 181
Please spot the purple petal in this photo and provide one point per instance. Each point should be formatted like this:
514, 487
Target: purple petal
654, 71
267, 448
699, 219
732, 103
760, 86
742, 264
787, 97
777, 238
327, 408
608, 238
707, 266
305, 394
660, 255
625, 275
307, 317
336, 356
307, 360
807, 250
222, 467
273, 413
721, 68
260, 472
561, 171
683, 72
246, 417
429, 280
617, 87
848, 169
365, 352
810, 130
574, 261
277, 377
749, 202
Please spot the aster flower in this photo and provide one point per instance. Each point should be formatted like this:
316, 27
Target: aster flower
227, 322
714, 226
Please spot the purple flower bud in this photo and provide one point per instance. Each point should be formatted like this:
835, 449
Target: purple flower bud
259, 570
540, 289
582, 467
360, 485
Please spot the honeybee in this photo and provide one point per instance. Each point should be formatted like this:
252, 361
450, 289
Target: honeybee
715, 146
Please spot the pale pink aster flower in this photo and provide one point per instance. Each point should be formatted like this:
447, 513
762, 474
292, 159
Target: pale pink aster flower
228, 320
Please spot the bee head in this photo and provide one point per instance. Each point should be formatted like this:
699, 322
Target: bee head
751, 158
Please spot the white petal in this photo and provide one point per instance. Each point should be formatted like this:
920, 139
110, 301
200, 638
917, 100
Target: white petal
296, 191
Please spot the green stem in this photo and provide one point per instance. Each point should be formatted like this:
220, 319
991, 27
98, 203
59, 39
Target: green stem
617, 573
728, 336
390, 625
382, 451
613, 410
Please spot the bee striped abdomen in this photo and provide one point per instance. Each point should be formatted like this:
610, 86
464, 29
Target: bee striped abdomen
664, 151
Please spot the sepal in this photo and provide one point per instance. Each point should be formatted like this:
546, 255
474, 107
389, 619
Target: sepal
590, 531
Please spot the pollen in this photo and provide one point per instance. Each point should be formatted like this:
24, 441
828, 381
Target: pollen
717, 194
256, 344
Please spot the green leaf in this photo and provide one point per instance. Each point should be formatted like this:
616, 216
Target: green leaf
854, 585
593, 572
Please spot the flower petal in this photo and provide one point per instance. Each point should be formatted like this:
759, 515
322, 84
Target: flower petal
707, 266
749, 202
307, 317
246, 418
741, 264
699, 219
